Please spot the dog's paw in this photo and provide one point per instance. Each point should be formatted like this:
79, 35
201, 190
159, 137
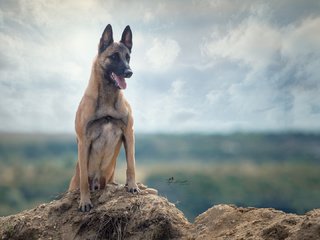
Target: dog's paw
132, 187
85, 205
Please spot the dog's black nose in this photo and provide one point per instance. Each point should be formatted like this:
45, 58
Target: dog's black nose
128, 73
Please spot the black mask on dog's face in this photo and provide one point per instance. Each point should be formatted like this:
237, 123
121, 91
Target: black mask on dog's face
115, 57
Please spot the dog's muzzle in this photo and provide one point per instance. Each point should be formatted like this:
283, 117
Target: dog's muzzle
119, 80
127, 73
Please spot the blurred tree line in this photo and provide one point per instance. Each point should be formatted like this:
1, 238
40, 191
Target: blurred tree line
194, 171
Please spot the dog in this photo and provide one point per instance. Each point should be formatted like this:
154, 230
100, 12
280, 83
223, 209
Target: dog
104, 120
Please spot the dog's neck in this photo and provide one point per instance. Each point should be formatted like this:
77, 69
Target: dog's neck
108, 98
101, 87
107, 90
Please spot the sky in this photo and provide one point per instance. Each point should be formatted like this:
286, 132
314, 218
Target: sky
212, 66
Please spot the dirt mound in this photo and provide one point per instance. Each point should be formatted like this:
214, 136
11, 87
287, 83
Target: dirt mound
231, 222
117, 214
121, 215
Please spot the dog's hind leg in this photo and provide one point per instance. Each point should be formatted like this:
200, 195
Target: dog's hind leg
75, 180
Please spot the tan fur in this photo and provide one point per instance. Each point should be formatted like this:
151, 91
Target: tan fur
103, 122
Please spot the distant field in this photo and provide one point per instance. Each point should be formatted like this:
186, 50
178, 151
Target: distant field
194, 188
194, 171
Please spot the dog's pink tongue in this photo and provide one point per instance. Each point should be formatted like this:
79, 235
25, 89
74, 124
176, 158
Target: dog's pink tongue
121, 82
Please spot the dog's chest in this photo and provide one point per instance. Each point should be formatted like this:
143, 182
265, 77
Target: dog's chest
113, 107
104, 116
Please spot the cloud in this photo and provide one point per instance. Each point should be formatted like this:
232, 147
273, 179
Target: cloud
259, 44
177, 88
254, 43
163, 53
281, 64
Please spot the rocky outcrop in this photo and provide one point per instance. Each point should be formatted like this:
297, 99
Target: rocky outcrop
118, 214
231, 222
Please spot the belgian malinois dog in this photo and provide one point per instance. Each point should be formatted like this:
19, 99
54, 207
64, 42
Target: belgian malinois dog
104, 120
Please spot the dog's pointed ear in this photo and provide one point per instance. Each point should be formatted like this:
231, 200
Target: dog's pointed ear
126, 38
106, 38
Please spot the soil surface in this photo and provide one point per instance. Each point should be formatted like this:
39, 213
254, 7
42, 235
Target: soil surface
118, 214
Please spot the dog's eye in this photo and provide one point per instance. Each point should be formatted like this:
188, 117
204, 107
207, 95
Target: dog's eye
128, 58
115, 57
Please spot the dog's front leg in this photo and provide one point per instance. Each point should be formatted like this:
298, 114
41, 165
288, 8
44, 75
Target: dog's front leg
129, 148
85, 202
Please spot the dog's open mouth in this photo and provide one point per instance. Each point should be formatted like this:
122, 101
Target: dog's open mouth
119, 81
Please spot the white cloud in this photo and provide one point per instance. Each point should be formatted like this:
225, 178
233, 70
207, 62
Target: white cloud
302, 42
214, 96
167, 111
281, 65
258, 43
177, 88
253, 42
163, 53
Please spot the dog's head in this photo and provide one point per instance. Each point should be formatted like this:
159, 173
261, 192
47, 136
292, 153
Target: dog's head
114, 57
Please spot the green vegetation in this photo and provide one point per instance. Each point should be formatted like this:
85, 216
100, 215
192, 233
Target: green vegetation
289, 187
194, 171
